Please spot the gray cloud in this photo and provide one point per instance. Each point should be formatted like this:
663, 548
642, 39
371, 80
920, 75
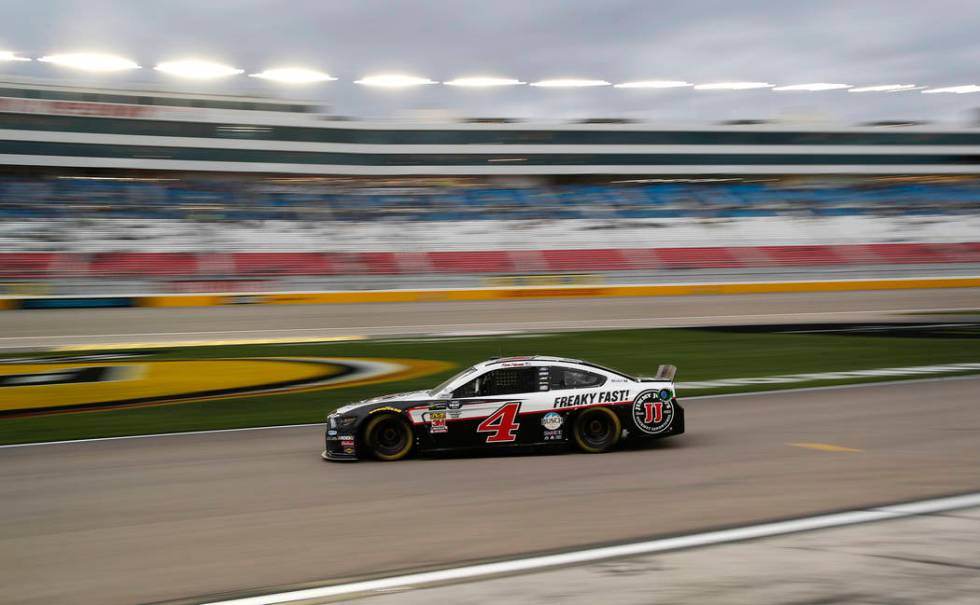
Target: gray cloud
858, 42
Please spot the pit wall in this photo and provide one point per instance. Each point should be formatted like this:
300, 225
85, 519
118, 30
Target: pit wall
440, 295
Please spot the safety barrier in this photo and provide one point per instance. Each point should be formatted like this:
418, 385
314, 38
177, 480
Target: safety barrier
460, 294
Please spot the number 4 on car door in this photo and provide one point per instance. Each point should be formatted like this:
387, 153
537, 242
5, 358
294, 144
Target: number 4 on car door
502, 424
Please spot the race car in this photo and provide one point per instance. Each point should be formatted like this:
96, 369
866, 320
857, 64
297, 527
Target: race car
507, 403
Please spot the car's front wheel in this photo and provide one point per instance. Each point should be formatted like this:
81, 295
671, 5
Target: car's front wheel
596, 430
388, 437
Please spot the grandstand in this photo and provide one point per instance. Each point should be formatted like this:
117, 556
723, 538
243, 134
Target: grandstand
191, 196
103, 184
192, 213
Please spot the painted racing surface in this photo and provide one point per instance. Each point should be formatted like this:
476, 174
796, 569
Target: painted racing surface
106, 391
37, 386
515, 401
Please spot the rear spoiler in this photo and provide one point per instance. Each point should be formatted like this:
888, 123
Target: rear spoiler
666, 373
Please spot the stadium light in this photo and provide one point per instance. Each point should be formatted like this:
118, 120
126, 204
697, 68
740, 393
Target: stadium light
7, 55
655, 84
483, 82
394, 81
958, 90
91, 62
293, 75
732, 86
569, 83
196, 69
815, 87
885, 88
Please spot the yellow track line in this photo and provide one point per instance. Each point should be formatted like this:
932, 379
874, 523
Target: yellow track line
440, 295
824, 447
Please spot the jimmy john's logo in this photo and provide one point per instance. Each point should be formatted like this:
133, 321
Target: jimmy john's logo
651, 414
59, 386
571, 401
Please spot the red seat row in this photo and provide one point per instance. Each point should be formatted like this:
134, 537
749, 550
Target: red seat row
30, 265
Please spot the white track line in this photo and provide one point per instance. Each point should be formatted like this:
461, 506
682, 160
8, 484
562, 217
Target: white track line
151, 435
882, 328
842, 375
833, 387
592, 555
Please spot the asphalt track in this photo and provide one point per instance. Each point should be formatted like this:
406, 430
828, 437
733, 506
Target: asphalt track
161, 518
34, 329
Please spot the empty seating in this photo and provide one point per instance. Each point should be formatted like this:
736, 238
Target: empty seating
142, 264
586, 260
284, 264
243, 199
909, 253
697, 258
25, 265
801, 255
384, 263
493, 261
280, 263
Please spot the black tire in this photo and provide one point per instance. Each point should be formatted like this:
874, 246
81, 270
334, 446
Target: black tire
387, 437
596, 430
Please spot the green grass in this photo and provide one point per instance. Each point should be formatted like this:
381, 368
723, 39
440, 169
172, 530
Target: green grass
699, 354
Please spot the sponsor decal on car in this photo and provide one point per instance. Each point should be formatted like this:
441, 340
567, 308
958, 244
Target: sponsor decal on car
653, 411
438, 422
455, 409
555, 435
502, 425
552, 421
570, 401
385, 408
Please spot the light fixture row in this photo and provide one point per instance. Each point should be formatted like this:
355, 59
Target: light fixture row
205, 70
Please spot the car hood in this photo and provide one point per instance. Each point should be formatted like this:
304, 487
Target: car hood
393, 398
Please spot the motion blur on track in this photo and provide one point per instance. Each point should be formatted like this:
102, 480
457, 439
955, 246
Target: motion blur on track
216, 270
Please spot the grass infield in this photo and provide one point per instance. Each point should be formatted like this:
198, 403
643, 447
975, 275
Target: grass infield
700, 354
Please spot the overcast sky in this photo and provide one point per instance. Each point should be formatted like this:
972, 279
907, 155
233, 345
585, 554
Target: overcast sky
861, 42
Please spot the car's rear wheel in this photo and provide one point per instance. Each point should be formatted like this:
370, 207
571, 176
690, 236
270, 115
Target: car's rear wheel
597, 430
388, 437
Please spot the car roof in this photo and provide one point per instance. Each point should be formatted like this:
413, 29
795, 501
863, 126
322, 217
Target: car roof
518, 358
548, 359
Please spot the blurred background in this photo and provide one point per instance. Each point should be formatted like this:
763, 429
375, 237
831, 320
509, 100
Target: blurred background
790, 189
681, 143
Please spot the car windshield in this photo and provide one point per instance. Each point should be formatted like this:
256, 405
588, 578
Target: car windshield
445, 385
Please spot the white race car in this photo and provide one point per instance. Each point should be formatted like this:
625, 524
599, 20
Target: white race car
511, 402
